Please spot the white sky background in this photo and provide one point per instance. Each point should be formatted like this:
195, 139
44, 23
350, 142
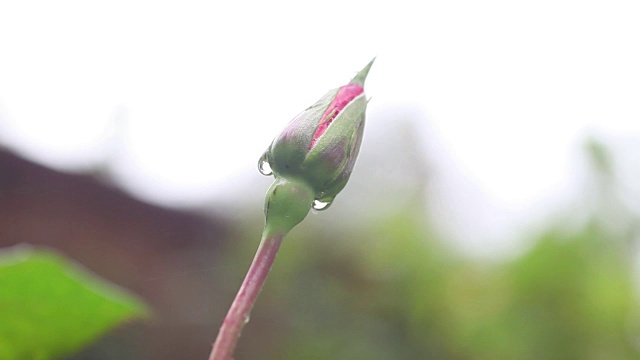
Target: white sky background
510, 88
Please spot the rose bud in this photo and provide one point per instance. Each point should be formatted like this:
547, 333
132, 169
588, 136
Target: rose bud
314, 155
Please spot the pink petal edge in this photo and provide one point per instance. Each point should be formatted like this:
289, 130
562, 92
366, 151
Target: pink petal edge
345, 95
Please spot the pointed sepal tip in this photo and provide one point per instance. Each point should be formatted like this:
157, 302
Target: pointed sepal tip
362, 75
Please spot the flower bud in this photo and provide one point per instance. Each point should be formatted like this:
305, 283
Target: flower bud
319, 146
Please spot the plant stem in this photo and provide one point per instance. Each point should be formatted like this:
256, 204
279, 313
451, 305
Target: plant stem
238, 314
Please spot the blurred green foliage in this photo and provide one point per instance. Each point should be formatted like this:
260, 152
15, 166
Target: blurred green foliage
382, 285
50, 307
401, 294
392, 288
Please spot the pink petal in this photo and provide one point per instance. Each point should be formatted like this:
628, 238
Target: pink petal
345, 95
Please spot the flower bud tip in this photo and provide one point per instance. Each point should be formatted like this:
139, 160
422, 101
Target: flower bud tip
362, 75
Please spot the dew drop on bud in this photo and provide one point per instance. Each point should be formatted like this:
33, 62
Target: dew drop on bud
320, 205
263, 165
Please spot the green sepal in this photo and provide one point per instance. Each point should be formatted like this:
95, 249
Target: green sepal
362, 74
329, 164
289, 149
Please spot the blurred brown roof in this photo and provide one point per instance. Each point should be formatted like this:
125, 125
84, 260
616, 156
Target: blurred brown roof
164, 255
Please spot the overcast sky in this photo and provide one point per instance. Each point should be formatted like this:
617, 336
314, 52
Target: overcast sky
510, 89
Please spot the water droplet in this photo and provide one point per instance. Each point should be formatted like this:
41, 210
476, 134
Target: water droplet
247, 318
263, 164
321, 205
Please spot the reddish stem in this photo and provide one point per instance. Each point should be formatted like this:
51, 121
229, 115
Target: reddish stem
238, 314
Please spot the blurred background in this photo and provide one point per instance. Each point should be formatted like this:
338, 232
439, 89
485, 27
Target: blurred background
493, 212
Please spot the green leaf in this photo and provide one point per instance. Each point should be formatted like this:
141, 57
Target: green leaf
50, 307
